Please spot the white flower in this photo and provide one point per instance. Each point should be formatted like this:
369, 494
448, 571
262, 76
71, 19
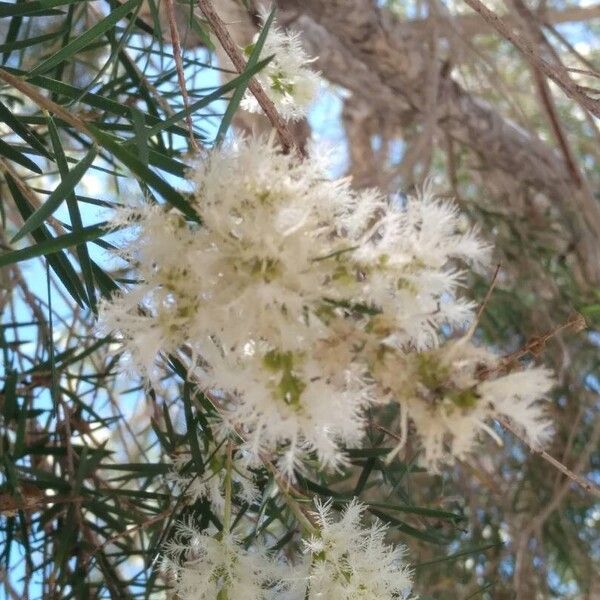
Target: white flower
283, 294
287, 80
293, 404
406, 254
207, 567
349, 562
210, 485
451, 393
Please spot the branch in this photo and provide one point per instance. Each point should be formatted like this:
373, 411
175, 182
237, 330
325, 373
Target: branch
555, 72
179, 66
218, 26
585, 484
472, 25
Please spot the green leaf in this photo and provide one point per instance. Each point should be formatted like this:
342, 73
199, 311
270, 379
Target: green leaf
234, 103
64, 188
85, 39
11, 36
52, 245
74, 214
10, 406
24, 132
148, 176
426, 536
36, 7
456, 555
13, 154
59, 263
192, 428
29, 41
141, 135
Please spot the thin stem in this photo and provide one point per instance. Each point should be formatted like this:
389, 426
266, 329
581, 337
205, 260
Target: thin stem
585, 484
286, 138
176, 42
227, 508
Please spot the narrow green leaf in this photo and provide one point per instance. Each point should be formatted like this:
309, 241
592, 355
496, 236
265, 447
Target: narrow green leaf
456, 555
234, 103
192, 428
15, 155
141, 135
29, 41
52, 245
74, 214
59, 263
419, 510
24, 132
11, 36
37, 7
79, 43
148, 176
64, 188
10, 406
420, 534
106, 284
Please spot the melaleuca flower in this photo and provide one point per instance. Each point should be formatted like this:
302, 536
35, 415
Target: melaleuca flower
291, 403
201, 566
349, 562
153, 316
406, 256
210, 485
451, 393
284, 293
287, 80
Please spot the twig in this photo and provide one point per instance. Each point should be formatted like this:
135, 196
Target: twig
535, 346
486, 299
557, 73
43, 102
585, 484
176, 42
286, 138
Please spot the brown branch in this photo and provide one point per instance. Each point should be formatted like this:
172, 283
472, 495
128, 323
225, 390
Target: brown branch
43, 102
539, 39
585, 484
218, 26
556, 73
175, 40
472, 25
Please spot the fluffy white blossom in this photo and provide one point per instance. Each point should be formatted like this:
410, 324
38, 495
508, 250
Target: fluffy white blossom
286, 291
406, 255
349, 562
288, 79
451, 394
205, 566
210, 485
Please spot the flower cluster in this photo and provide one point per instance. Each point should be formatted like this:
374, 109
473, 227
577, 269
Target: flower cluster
352, 563
293, 296
287, 79
451, 393
342, 561
205, 567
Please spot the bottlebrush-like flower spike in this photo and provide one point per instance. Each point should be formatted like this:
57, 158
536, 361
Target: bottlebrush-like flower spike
281, 297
